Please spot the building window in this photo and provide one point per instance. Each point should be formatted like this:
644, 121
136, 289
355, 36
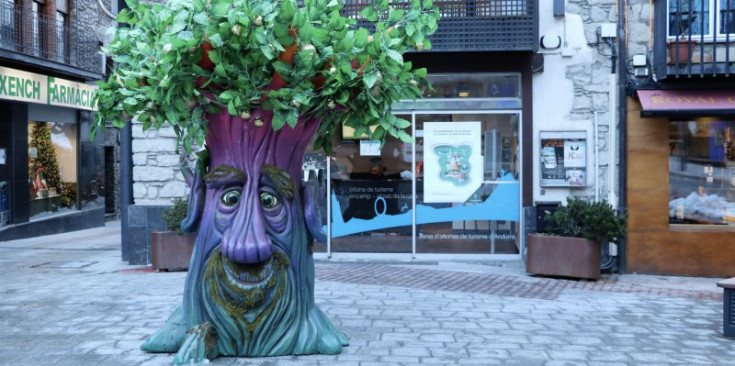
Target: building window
38, 28
62, 36
8, 31
701, 17
702, 172
62, 31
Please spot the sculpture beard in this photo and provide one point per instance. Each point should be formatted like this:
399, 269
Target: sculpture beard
250, 286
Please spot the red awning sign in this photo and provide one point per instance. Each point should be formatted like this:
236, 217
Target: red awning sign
690, 100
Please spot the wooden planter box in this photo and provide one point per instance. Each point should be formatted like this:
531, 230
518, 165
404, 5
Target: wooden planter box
563, 256
170, 251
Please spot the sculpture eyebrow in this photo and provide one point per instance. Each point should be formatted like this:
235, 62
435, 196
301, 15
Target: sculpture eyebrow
223, 175
281, 181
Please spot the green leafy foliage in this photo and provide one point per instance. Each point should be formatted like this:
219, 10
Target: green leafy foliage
174, 215
583, 219
177, 61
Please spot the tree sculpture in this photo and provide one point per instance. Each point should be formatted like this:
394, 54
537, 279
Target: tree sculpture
255, 81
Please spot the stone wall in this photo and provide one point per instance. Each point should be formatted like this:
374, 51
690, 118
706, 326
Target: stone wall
579, 77
156, 174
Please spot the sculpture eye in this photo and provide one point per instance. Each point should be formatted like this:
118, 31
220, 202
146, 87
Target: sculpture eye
231, 197
268, 200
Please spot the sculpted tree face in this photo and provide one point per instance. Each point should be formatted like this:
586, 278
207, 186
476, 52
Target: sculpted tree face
255, 82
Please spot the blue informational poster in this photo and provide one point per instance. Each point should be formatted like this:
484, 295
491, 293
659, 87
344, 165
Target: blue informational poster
453, 168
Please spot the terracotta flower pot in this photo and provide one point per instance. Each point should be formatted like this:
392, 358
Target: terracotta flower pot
680, 51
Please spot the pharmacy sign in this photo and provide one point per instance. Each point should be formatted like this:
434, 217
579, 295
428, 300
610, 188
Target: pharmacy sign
34, 88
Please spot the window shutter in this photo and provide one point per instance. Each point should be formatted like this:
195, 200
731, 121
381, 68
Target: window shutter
62, 6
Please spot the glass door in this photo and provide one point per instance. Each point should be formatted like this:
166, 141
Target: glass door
468, 184
371, 198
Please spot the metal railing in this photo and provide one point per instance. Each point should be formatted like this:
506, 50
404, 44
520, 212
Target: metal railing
469, 25
33, 34
696, 38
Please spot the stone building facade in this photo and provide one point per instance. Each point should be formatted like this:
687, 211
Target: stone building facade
575, 89
55, 42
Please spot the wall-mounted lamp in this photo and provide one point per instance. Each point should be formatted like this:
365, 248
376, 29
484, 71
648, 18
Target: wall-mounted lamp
550, 42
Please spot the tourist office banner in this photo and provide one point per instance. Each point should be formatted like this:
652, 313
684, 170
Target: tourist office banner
28, 87
563, 159
453, 168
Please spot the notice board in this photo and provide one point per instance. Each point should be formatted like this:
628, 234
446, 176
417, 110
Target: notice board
563, 158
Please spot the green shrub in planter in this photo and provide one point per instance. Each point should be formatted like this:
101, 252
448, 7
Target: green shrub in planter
596, 221
174, 215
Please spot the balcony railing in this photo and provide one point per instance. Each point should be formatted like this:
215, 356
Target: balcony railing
32, 34
695, 38
469, 25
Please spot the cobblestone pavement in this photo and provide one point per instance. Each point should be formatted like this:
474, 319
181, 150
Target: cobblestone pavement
69, 300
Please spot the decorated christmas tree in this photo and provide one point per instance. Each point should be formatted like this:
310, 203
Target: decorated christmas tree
44, 169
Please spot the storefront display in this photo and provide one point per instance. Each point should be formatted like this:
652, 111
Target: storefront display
702, 172
52, 167
454, 190
679, 191
51, 173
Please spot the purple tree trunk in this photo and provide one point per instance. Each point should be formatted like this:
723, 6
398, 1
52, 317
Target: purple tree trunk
250, 286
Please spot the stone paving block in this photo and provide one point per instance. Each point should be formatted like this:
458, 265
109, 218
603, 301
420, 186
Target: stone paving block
410, 351
400, 359
565, 363
568, 355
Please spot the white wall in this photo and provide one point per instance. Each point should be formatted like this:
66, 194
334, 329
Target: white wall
572, 89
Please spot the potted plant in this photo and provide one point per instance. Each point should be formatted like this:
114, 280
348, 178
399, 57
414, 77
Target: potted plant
571, 246
681, 46
171, 250
681, 49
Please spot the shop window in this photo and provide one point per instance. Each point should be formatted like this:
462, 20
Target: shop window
468, 185
701, 17
702, 172
372, 195
52, 168
474, 86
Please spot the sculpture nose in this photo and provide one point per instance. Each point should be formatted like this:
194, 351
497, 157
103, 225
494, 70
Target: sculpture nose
246, 242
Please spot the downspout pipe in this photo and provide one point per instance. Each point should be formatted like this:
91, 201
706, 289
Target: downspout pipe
622, 128
126, 176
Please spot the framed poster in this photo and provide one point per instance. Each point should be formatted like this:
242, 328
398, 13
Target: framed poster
563, 158
453, 168
369, 148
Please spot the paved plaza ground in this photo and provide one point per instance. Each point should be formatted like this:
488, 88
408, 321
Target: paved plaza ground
69, 300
